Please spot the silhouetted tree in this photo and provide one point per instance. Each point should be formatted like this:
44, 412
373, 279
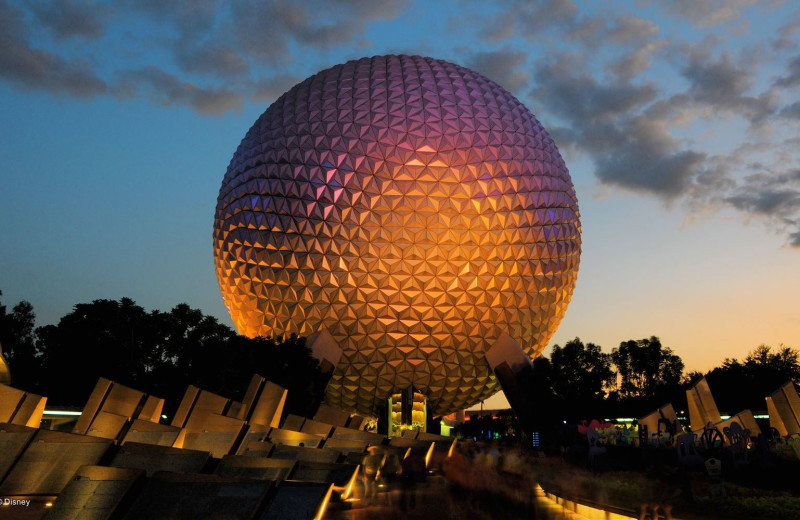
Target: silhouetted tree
19, 345
549, 408
580, 371
188, 343
739, 385
163, 352
108, 338
646, 369
783, 362
542, 384
284, 362
690, 378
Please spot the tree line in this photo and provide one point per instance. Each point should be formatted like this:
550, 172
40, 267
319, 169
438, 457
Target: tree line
580, 381
160, 353
163, 352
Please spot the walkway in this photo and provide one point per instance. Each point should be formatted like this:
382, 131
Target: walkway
436, 499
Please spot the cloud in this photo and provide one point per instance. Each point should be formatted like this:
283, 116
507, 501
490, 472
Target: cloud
626, 128
709, 13
633, 35
230, 41
269, 27
501, 66
210, 58
70, 19
647, 158
595, 86
630, 149
204, 38
190, 18
595, 31
199, 35
564, 86
794, 238
721, 85
588, 31
716, 81
791, 111
792, 76
265, 30
771, 196
30, 68
786, 36
634, 63
498, 28
632, 29
536, 16
769, 193
529, 19
269, 89
166, 89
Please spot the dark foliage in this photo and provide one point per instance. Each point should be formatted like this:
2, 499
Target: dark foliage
163, 352
579, 381
548, 405
646, 368
739, 385
17, 337
580, 374
158, 352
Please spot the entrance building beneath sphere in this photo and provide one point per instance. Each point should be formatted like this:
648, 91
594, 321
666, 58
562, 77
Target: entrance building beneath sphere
414, 211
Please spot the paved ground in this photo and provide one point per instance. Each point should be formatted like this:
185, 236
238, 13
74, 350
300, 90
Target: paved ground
435, 499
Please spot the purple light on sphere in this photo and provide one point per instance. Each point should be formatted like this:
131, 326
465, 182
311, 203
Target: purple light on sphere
413, 208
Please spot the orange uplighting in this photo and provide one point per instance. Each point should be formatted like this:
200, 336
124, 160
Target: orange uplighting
350, 484
429, 454
324, 505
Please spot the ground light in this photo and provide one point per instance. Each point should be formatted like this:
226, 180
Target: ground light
574, 510
321, 511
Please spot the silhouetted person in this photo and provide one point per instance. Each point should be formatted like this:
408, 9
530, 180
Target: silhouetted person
413, 472
371, 463
389, 473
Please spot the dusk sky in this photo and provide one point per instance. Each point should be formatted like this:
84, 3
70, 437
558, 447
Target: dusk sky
678, 121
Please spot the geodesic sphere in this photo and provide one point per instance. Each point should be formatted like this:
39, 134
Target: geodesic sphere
413, 208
